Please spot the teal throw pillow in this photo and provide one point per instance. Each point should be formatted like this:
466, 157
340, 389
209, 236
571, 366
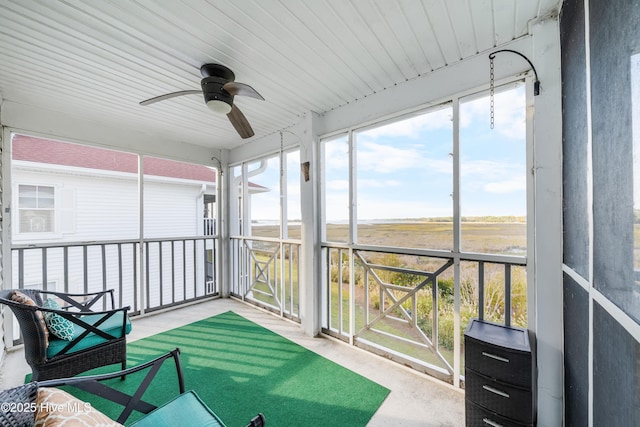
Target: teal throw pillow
57, 325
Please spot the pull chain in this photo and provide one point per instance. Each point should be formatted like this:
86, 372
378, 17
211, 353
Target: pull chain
491, 91
281, 153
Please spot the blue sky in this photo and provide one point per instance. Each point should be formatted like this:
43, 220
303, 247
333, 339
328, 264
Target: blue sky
405, 170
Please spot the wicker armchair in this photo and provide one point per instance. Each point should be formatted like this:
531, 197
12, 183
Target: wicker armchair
96, 338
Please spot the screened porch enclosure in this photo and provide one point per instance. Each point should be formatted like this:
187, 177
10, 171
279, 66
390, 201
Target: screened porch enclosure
398, 182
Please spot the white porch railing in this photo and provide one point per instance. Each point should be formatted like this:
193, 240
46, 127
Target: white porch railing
265, 272
412, 306
168, 272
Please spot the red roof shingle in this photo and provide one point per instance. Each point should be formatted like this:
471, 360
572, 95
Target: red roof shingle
40, 150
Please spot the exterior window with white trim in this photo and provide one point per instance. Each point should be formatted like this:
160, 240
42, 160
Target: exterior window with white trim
36, 209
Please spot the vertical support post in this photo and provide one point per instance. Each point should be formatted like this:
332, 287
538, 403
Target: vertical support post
545, 252
223, 201
310, 256
279, 279
457, 239
141, 276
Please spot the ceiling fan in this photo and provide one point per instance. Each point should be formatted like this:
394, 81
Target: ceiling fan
219, 89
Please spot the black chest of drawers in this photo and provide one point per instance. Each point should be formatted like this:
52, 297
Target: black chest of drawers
499, 380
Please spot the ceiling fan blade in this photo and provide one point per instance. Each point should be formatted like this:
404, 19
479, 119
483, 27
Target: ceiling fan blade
169, 95
240, 122
235, 88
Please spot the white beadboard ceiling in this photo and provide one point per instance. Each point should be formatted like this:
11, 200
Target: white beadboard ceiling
97, 59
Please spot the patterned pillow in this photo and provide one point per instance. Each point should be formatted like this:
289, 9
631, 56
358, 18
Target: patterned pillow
57, 325
57, 408
18, 296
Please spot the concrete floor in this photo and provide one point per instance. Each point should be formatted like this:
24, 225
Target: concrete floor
415, 399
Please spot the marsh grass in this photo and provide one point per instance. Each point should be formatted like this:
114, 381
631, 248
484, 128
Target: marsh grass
484, 235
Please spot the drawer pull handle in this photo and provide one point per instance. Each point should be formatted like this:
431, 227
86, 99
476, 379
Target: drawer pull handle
493, 356
495, 391
491, 423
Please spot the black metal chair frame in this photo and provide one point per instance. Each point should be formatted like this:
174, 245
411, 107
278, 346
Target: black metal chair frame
25, 395
93, 384
67, 363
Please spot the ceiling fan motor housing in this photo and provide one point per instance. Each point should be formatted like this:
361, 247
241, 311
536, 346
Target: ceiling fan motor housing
212, 90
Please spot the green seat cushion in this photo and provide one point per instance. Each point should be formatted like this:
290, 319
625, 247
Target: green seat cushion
59, 326
186, 410
112, 326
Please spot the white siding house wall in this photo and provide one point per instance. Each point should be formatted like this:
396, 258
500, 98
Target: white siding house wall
172, 209
97, 206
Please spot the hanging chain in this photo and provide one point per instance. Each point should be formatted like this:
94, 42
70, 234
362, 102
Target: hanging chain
281, 153
491, 91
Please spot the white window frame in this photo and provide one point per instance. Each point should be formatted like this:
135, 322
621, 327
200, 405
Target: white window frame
27, 235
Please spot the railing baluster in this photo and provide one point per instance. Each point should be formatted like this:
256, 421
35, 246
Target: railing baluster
85, 255
366, 297
160, 273
104, 274
436, 311
173, 272
328, 287
120, 275
340, 284
507, 295
204, 266
147, 278
44, 269
65, 260
134, 255
184, 268
195, 269
20, 268
481, 290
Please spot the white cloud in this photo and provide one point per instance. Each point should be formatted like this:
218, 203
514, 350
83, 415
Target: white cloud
489, 169
378, 183
337, 185
508, 186
387, 159
336, 154
413, 127
493, 177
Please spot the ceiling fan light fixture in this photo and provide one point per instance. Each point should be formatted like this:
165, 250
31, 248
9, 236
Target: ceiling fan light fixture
218, 106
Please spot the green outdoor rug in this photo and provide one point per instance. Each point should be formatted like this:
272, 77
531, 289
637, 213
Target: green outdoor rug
240, 368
